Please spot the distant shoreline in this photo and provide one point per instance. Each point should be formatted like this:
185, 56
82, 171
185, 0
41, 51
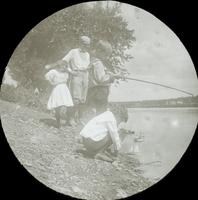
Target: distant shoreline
129, 105
183, 102
196, 108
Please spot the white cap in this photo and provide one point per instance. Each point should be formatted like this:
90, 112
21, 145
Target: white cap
85, 40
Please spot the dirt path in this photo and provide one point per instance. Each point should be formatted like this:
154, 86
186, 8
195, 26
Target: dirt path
50, 156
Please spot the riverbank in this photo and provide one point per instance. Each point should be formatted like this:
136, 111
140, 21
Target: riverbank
50, 156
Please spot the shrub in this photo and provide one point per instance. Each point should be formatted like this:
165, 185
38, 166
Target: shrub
23, 96
8, 93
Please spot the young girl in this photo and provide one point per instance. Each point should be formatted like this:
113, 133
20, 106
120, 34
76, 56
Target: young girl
60, 95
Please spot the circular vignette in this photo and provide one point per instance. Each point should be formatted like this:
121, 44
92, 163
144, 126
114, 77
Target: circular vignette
49, 157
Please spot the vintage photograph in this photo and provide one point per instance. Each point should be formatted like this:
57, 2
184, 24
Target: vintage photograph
99, 101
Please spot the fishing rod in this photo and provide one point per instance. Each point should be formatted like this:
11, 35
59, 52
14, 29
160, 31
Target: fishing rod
159, 84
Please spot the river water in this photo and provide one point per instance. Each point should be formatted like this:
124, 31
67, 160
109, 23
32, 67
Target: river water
167, 133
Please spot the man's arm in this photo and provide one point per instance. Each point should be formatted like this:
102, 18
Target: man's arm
63, 62
54, 65
100, 74
103, 77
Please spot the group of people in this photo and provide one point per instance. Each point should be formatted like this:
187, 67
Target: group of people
82, 80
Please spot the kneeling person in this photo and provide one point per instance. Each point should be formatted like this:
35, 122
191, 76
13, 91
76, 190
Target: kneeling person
102, 131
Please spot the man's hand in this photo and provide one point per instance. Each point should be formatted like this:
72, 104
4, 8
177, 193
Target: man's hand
73, 73
118, 75
115, 152
47, 67
126, 131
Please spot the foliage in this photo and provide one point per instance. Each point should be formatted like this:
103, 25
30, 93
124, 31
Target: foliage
51, 39
23, 96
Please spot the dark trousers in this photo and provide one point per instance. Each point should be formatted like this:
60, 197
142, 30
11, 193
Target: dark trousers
97, 97
94, 147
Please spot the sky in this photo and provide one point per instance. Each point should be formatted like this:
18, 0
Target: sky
159, 56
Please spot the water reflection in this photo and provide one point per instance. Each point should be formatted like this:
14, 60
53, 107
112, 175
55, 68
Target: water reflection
167, 134
175, 123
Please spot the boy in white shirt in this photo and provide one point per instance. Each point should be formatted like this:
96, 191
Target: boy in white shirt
102, 131
100, 76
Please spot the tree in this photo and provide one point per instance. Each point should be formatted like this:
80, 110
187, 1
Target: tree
52, 38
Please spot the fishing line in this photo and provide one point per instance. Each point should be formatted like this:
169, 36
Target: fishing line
159, 84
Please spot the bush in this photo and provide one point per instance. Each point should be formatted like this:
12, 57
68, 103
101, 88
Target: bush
51, 39
23, 96
8, 93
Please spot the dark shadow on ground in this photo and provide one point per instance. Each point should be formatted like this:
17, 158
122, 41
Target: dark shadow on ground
49, 122
90, 155
85, 153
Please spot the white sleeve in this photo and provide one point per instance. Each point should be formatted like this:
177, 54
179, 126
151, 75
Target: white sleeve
113, 130
68, 57
50, 76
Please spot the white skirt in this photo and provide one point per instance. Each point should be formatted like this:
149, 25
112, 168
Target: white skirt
60, 96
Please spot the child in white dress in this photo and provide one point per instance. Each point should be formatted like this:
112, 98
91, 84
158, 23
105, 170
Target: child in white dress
60, 95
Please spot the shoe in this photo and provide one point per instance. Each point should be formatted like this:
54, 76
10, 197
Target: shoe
104, 157
80, 121
72, 123
111, 155
57, 125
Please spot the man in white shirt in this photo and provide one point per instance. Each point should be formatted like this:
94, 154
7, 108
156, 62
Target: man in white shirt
76, 64
102, 131
78, 61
